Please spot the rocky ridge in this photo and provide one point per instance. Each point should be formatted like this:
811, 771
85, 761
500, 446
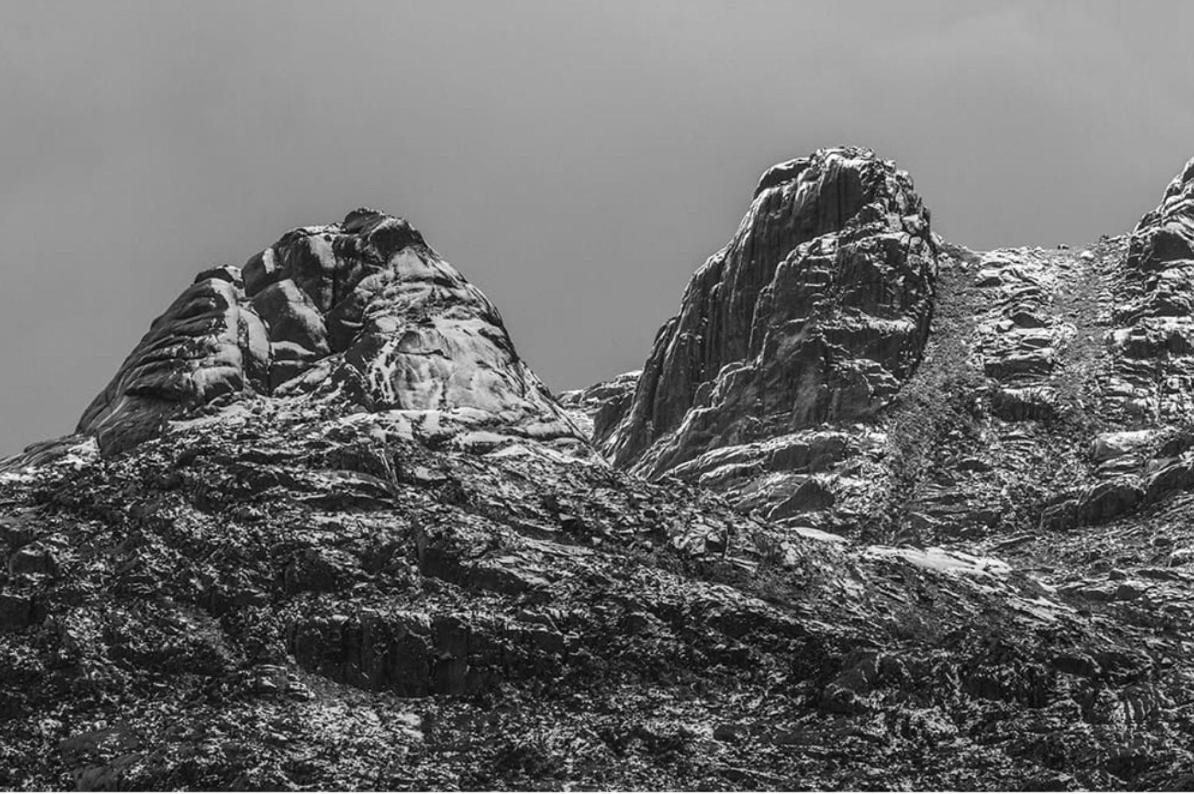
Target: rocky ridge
956, 558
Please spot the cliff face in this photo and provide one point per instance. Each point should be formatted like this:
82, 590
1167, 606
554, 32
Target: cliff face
1152, 347
816, 311
915, 517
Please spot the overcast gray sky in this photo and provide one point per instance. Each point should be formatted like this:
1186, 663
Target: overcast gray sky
576, 160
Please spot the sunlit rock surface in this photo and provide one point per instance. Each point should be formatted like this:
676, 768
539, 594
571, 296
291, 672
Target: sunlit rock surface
815, 311
326, 531
364, 309
600, 405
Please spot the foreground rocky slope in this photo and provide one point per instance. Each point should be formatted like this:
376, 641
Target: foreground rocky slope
397, 563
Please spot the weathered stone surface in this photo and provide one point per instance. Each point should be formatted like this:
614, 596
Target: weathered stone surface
16, 611
1020, 339
816, 310
193, 353
1048, 373
1108, 446
1032, 343
1178, 476
365, 306
1154, 340
33, 559
1109, 500
598, 409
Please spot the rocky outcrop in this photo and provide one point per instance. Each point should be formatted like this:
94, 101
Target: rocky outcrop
600, 405
283, 599
1020, 336
816, 311
363, 308
1153, 344
744, 390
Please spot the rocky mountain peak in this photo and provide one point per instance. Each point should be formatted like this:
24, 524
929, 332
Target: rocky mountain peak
816, 310
853, 158
362, 311
1166, 234
360, 536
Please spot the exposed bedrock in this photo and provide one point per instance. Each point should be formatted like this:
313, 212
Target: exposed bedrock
364, 307
1071, 372
1153, 345
817, 310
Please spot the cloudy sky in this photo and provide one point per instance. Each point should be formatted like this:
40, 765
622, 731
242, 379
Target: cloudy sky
576, 160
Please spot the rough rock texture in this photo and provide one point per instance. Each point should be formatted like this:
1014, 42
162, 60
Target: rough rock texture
983, 580
364, 307
1153, 346
816, 310
278, 598
596, 410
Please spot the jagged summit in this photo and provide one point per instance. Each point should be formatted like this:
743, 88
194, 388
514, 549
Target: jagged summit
364, 309
790, 170
816, 310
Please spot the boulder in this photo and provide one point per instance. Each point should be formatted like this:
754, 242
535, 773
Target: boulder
1178, 476
812, 495
16, 611
1109, 500
33, 559
1107, 446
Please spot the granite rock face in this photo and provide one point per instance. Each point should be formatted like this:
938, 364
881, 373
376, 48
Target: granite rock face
816, 311
596, 409
1154, 344
1030, 345
326, 531
364, 308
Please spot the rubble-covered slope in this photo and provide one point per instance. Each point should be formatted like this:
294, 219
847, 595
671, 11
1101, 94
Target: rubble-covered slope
279, 597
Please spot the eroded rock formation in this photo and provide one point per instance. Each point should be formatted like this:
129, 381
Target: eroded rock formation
816, 311
364, 307
1154, 345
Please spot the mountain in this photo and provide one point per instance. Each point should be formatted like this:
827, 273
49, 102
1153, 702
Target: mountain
814, 313
361, 311
878, 512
